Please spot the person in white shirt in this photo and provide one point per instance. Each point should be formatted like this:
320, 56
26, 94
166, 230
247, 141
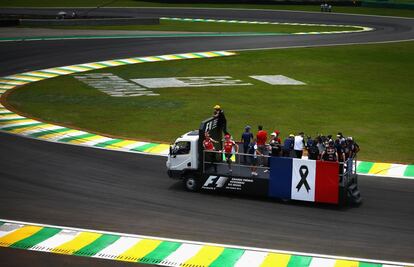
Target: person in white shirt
299, 145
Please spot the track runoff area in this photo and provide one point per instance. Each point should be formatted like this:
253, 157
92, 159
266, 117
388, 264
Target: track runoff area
146, 249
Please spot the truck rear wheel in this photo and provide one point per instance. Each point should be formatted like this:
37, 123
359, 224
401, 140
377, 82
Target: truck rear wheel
192, 184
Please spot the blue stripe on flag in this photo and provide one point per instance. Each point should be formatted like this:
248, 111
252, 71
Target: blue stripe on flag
280, 182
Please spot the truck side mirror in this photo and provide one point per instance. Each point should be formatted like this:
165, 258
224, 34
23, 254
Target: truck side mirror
171, 152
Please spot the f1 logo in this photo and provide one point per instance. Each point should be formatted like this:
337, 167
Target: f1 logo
215, 181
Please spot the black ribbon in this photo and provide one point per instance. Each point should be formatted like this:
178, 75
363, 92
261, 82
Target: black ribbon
303, 172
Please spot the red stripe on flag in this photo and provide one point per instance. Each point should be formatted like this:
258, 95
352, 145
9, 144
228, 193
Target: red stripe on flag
327, 182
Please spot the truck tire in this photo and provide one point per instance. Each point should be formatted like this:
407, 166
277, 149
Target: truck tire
192, 184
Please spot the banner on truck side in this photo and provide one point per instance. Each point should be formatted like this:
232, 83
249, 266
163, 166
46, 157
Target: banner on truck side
308, 180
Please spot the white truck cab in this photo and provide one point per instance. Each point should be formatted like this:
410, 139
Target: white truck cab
184, 153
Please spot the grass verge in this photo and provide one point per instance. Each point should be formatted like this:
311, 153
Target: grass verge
364, 91
133, 3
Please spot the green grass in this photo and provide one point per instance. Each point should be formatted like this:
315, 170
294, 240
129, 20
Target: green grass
185, 26
133, 3
365, 91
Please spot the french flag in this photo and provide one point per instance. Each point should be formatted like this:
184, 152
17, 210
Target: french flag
301, 179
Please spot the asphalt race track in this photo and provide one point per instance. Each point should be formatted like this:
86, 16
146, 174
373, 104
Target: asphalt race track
115, 191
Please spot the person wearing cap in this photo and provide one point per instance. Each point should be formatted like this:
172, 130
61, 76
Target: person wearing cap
288, 146
219, 113
228, 146
299, 145
340, 137
246, 139
353, 147
275, 144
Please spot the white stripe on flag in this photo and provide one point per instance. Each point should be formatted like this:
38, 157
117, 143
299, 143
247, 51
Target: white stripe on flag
303, 173
251, 259
117, 248
181, 255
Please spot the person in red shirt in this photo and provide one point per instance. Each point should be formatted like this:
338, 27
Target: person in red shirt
208, 142
277, 138
228, 146
261, 138
210, 156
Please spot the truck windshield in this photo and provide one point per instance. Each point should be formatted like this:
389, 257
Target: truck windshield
181, 148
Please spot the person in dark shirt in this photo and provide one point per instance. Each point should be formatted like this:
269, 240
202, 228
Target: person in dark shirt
330, 153
353, 147
313, 150
342, 151
219, 113
275, 144
246, 139
288, 145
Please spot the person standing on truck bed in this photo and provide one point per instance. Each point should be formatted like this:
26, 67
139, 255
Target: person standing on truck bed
219, 113
288, 146
321, 146
228, 146
275, 144
261, 138
208, 142
313, 150
246, 139
299, 145
210, 155
253, 151
330, 153
353, 147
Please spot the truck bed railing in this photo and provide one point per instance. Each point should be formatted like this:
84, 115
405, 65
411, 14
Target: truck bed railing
347, 170
248, 165
243, 165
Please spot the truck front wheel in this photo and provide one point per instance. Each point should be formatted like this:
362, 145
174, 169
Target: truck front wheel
192, 184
